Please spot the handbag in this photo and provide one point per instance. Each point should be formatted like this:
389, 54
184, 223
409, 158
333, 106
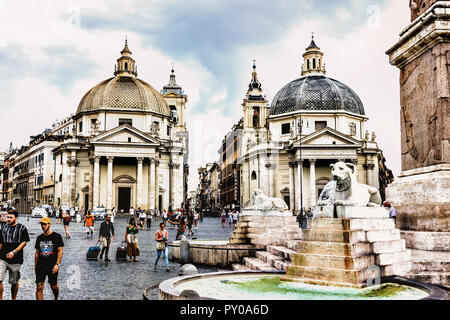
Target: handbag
160, 245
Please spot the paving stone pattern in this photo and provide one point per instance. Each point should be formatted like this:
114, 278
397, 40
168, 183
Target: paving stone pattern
80, 279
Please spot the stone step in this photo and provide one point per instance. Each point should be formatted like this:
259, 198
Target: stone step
266, 231
436, 278
268, 219
268, 257
388, 246
334, 248
256, 264
290, 244
402, 268
332, 261
430, 266
331, 274
283, 252
350, 236
334, 236
351, 224
384, 259
281, 264
383, 235
239, 267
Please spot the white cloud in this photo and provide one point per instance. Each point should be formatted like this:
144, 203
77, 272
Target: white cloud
357, 59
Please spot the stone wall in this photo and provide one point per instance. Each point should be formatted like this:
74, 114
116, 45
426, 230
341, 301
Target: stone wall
425, 109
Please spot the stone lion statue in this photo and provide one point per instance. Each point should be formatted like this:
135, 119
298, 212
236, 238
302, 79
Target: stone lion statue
263, 202
348, 191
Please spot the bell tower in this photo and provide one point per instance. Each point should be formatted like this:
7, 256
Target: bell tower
125, 64
313, 61
255, 104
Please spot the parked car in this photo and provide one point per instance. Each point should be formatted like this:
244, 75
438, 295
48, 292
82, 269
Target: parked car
49, 209
39, 212
99, 213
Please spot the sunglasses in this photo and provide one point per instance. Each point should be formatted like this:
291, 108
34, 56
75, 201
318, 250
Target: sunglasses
44, 224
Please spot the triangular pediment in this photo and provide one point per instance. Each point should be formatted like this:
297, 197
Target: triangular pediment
328, 137
125, 134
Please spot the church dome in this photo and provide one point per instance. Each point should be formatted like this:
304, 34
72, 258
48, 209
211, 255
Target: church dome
124, 92
316, 93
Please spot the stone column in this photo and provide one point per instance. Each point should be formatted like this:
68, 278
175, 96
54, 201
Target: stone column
91, 184
291, 186
156, 184
312, 181
151, 184
96, 189
139, 182
109, 192
72, 192
299, 181
171, 175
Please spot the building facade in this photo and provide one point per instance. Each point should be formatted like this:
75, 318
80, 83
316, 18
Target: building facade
312, 122
126, 146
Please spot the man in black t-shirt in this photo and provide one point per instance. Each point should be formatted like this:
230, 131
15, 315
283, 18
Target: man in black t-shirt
13, 238
47, 258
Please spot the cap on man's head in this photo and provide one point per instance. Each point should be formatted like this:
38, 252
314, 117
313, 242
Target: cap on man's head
46, 220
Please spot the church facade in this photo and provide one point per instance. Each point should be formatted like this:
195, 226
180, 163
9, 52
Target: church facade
126, 146
312, 122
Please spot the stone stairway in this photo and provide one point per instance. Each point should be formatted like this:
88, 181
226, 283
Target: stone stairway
275, 258
431, 267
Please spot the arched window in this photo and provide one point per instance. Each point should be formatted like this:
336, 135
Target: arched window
314, 63
126, 66
253, 175
309, 66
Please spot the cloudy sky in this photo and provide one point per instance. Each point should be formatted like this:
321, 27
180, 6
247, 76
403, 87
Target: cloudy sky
53, 52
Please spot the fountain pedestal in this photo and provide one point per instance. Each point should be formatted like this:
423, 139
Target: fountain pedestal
349, 252
263, 230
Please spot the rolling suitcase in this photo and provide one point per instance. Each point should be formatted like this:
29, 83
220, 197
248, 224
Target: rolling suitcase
121, 254
93, 252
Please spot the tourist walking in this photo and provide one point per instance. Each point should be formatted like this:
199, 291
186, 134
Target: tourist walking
162, 237
113, 214
131, 239
392, 211
164, 216
224, 218
235, 217
142, 218
66, 221
89, 224
131, 211
196, 217
190, 223
47, 259
105, 234
60, 215
149, 219
13, 238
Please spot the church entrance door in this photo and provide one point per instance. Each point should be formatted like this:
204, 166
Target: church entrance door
124, 199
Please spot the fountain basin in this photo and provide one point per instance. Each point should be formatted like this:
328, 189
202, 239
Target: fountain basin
260, 285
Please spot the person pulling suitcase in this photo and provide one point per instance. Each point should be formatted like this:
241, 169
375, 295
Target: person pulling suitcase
105, 233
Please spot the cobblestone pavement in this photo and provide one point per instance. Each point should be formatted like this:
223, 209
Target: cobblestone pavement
80, 279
